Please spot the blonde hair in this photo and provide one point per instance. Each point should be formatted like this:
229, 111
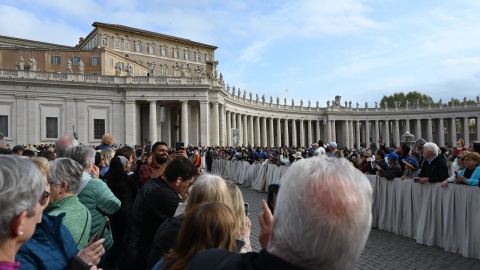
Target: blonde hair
206, 225
107, 139
107, 155
238, 207
42, 164
208, 188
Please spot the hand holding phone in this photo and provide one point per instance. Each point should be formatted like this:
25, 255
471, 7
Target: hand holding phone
272, 196
247, 206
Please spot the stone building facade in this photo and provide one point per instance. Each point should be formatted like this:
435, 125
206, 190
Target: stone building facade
139, 85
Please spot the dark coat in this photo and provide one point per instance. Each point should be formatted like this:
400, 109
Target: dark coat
436, 170
51, 246
165, 239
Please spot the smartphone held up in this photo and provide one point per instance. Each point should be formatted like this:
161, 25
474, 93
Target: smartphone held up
272, 196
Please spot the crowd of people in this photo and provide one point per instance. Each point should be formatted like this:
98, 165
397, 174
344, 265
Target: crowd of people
72, 206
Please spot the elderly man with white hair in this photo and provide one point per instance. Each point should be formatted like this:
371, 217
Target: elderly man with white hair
434, 168
322, 221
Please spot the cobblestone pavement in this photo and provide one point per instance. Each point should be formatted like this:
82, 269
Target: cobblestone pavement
384, 250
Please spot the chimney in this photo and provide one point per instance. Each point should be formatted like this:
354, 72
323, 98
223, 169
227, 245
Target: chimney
80, 40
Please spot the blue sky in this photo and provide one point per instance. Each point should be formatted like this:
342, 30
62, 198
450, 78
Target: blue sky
317, 49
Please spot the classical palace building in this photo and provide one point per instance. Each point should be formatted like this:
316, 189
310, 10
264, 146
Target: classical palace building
140, 85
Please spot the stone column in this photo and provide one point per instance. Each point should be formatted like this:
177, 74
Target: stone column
184, 122
386, 133
152, 124
264, 132
466, 135
309, 133
229, 129
367, 134
285, 132
246, 140
317, 131
204, 123
329, 131
271, 133
453, 130
302, 133
279, 133
239, 127
429, 130
250, 129
407, 125
357, 133
347, 134
441, 133
130, 122
334, 132
377, 133
418, 129
351, 133
294, 132
257, 131
396, 134
215, 124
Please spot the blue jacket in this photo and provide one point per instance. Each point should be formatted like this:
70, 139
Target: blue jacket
473, 181
51, 246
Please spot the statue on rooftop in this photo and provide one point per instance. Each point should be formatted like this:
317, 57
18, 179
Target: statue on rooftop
21, 63
81, 66
33, 64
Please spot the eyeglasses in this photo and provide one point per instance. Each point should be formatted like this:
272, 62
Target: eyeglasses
191, 183
43, 198
466, 160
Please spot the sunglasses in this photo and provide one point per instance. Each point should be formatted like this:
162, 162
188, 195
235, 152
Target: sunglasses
43, 198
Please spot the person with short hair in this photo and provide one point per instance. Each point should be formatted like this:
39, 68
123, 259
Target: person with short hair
18, 150
64, 179
157, 166
22, 194
93, 192
324, 228
107, 142
156, 201
393, 170
471, 173
434, 168
63, 144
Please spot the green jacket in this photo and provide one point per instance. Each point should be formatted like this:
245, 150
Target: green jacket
99, 199
77, 218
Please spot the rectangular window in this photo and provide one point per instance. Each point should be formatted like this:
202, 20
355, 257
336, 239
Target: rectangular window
4, 125
175, 53
104, 41
187, 55
75, 60
126, 45
111, 62
138, 46
52, 127
151, 49
94, 61
116, 43
55, 59
164, 51
98, 128
207, 57
197, 57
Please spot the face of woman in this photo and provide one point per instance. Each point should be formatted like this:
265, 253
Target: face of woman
470, 163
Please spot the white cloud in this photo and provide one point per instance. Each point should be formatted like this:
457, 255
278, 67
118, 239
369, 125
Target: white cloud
462, 61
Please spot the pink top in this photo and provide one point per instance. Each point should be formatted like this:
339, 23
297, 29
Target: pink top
9, 265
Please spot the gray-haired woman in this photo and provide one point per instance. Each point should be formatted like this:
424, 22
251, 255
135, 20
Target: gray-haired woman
22, 193
64, 178
93, 192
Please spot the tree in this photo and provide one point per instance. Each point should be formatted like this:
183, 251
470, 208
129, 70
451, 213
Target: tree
402, 99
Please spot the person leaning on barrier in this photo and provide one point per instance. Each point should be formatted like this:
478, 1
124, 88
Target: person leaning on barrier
411, 168
456, 166
471, 173
434, 168
394, 169
324, 228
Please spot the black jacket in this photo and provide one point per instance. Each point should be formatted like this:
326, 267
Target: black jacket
436, 170
165, 239
216, 259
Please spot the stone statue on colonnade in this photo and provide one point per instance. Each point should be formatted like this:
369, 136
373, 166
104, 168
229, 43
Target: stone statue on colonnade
21, 63
69, 66
33, 64
81, 66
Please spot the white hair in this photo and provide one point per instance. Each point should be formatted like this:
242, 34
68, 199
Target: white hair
323, 214
432, 147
